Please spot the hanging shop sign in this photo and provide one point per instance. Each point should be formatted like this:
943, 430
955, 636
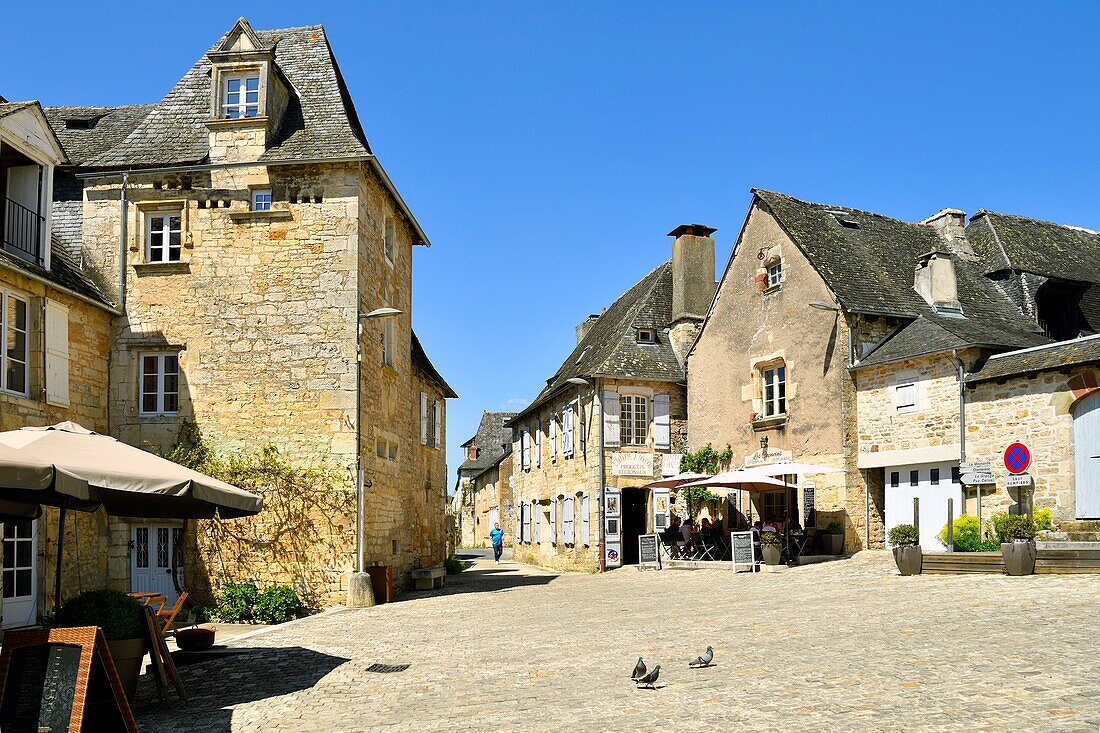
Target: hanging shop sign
670, 463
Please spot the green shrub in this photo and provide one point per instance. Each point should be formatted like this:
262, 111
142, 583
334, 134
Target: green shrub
770, 538
237, 602
835, 527
119, 615
203, 614
278, 604
968, 533
904, 534
1043, 519
987, 545
454, 565
1007, 527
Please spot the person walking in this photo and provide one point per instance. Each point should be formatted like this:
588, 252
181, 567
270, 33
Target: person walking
496, 536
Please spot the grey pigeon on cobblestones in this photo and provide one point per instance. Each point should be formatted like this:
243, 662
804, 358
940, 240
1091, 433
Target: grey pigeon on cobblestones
704, 659
639, 670
650, 678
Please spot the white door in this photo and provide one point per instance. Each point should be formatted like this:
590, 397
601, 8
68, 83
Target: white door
152, 548
20, 573
1086, 440
931, 483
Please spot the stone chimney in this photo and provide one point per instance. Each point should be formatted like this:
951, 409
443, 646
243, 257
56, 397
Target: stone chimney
586, 326
950, 225
692, 283
934, 279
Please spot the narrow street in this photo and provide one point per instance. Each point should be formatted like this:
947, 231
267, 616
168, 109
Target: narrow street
847, 645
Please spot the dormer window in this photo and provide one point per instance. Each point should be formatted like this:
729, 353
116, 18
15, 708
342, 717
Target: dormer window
647, 336
242, 97
261, 199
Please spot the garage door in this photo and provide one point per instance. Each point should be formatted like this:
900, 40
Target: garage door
1086, 440
932, 484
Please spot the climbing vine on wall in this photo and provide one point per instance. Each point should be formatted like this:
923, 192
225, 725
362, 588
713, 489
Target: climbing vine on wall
706, 459
304, 520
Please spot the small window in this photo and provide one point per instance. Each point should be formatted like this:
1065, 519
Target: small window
261, 199
242, 97
914, 478
956, 476
380, 447
934, 476
895, 479
14, 344
775, 274
393, 451
774, 391
387, 342
160, 378
396, 547
389, 239
647, 336
163, 237
905, 398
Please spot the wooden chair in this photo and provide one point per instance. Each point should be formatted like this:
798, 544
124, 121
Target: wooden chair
168, 616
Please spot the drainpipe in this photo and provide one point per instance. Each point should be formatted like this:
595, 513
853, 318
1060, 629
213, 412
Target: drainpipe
961, 370
122, 236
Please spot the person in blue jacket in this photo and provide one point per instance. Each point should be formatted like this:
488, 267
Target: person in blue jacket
496, 536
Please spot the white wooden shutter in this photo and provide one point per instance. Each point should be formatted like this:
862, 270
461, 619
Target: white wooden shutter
584, 519
536, 517
553, 521
611, 419
438, 424
661, 426
567, 431
57, 353
553, 438
568, 530
580, 428
423, 418
524, 522
538, 443
525, 449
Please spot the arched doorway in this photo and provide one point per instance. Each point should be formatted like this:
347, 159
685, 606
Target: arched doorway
1086, 442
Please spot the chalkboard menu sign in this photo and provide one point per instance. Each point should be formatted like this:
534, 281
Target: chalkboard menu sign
808, 507
742, 550
60, 681
647, 550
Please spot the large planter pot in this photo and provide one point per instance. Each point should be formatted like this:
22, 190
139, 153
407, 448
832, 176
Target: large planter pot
833, 544
1019, 557
771, 553
908, 558
127, 655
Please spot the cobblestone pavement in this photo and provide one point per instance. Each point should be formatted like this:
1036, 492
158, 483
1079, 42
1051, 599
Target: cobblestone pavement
846, 645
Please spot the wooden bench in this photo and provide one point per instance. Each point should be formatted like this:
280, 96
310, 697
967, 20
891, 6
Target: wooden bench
428, 578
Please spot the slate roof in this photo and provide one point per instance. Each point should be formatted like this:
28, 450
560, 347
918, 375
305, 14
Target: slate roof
1007, 241
1056, 356
494, 442
421, 361
610, 348
103, 129
868, 259
64, 271
319, 123
8, 108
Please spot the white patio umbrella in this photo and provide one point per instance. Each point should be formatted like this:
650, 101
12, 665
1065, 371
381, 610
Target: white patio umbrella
787, 468
737, 479
671, 482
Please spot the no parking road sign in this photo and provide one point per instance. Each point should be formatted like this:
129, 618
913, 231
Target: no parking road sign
1017, 458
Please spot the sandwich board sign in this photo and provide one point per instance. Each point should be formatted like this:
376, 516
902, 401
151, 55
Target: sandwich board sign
649, 553
742, 550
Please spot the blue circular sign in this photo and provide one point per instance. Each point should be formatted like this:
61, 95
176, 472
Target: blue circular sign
1017, 458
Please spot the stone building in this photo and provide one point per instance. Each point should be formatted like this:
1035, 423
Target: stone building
611, 419
240, 227
485, 481
842, 337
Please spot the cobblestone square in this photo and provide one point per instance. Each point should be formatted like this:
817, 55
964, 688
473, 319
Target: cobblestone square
848, 645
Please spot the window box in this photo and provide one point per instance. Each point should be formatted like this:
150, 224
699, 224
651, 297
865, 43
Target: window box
768, 423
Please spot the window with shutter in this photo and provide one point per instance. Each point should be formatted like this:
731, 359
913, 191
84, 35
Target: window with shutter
553, 522
553, 437
567, 431
423, 418
611, 419
661, 425
584, 519
525, 449
438, 424
537, 519
580, 428
568, 531
538, 443
633, 420
905, 397
57, 353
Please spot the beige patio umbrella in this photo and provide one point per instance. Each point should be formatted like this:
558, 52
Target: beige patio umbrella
26, 483
671, 482
737, 479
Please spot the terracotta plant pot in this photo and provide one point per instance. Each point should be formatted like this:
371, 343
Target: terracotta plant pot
127, 655
908, 558
833, 543
771, 553
195, 639
1019, 557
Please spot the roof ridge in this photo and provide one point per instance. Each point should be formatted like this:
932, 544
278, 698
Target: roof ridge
847, 209
986, 213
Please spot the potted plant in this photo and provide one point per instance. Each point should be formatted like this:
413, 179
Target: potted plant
833, 538
770, 547
1017, 536
907, 553
122, 619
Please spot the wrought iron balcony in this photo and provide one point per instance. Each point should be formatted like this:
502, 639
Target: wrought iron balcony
22, 232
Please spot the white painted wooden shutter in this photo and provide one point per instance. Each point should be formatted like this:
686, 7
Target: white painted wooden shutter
553, 437
423, 418
611, 419
524, 522
536, 517
569, 536
553, 521
438, 424
525, 449
584, 519
661, 425
661, 509
580, 428
57, 353
538, 443
567, 431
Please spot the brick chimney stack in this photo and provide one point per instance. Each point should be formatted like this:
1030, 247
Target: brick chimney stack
692, 283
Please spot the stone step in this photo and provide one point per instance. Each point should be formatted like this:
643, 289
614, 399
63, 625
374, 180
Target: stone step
1080, 525
1083, 536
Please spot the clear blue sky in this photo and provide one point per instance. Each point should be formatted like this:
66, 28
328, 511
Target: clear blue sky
547, 148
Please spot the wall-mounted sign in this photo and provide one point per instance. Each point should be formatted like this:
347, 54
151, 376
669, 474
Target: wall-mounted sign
809, 489
611, 502
632, 464
742, 550
612, 528
1017, 457
670, 463
648, 553
764, 456
1016, 480
612, 559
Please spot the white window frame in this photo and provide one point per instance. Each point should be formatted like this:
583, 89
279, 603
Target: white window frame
775, 273
389, 239
906, 398
774, 377
633, 420
261, 199
242, 105
6, 328
166, 231
647, 336
161, 373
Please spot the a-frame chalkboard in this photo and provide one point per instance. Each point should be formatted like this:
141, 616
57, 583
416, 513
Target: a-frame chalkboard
61, 681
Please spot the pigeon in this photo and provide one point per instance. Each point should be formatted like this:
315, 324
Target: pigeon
704, 659
639, 670
650, 678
